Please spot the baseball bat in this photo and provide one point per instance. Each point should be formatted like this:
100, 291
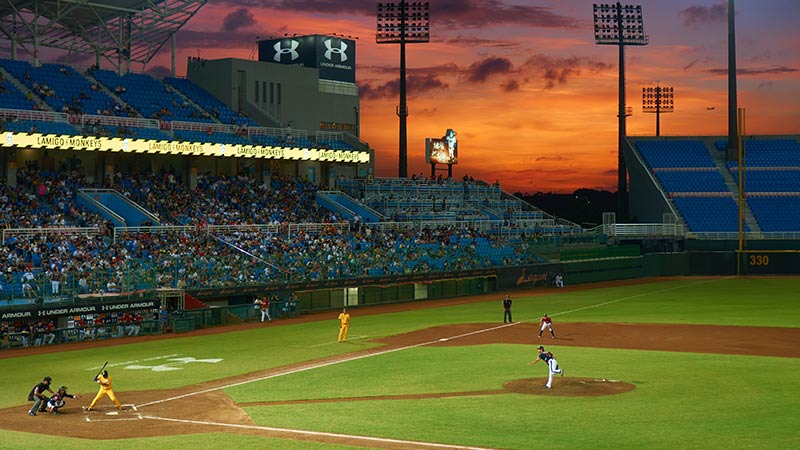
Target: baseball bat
101, 370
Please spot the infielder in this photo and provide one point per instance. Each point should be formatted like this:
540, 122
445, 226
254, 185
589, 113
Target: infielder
546, 323
57, 400
552, 365
104, 380
344, 325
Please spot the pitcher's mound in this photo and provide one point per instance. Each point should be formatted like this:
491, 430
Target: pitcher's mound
569, 386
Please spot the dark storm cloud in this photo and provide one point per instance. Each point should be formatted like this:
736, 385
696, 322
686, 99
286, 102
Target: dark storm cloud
480, 71
241, 18
559, 70
510, 86
702, 15
745, 72
447, 13
415, 85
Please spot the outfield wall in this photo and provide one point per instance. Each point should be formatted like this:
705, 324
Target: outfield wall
232, 304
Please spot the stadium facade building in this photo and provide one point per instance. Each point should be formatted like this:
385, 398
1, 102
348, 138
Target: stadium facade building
302, 85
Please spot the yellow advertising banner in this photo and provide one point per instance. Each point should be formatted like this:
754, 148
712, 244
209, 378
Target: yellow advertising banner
109, 144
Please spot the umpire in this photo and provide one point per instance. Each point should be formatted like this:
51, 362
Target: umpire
507, 309
37, 396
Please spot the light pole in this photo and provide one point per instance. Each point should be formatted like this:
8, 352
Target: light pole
617, 24
658, 99
403, 23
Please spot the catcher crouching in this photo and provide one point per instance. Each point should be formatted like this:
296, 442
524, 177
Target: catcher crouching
56, 402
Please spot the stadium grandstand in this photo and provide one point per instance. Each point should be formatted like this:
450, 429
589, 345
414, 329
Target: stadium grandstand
124, 192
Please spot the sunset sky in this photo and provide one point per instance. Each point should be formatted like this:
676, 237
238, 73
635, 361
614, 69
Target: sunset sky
532, 97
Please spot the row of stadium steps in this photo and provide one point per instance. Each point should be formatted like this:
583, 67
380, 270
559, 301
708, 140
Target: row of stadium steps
485, 205
732, 185
116, 207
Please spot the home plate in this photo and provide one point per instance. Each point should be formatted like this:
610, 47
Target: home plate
112, 413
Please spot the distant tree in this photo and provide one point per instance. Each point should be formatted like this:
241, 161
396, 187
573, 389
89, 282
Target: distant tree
584, 206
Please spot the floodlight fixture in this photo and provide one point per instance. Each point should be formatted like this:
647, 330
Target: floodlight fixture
658, 99
403, 23
621, 25
617, 24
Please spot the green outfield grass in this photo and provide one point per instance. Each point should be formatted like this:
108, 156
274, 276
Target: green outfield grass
684, 400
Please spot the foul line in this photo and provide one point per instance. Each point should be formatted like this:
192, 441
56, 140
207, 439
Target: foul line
610, 302
316, 433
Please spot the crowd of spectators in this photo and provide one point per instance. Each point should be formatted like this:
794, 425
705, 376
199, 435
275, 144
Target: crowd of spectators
88, 263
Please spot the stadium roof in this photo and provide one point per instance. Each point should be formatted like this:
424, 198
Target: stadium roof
136, 29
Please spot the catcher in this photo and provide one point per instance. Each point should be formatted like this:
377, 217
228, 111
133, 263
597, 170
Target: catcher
57, 400
104, 380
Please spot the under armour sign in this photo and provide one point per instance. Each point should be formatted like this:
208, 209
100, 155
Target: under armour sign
291, 50
338, 50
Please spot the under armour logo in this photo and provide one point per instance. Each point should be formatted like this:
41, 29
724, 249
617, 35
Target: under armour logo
292, 50
340, 50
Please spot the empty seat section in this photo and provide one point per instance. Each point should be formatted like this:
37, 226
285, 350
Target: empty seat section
709, 214
776, 214
691, 181
675, 154
770, 180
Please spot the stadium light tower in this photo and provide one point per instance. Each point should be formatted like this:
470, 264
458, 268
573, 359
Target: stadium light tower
617, 24
658, 99
403, 23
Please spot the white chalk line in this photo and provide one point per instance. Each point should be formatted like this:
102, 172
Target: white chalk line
316, 433
631, 297
325, 344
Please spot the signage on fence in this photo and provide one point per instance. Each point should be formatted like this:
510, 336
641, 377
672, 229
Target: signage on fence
74, 310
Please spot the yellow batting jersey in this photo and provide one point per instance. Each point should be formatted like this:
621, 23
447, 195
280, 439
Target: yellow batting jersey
344, 318
105, 383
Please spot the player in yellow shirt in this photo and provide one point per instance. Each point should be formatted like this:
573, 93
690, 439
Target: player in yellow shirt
344, 325
104, 380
